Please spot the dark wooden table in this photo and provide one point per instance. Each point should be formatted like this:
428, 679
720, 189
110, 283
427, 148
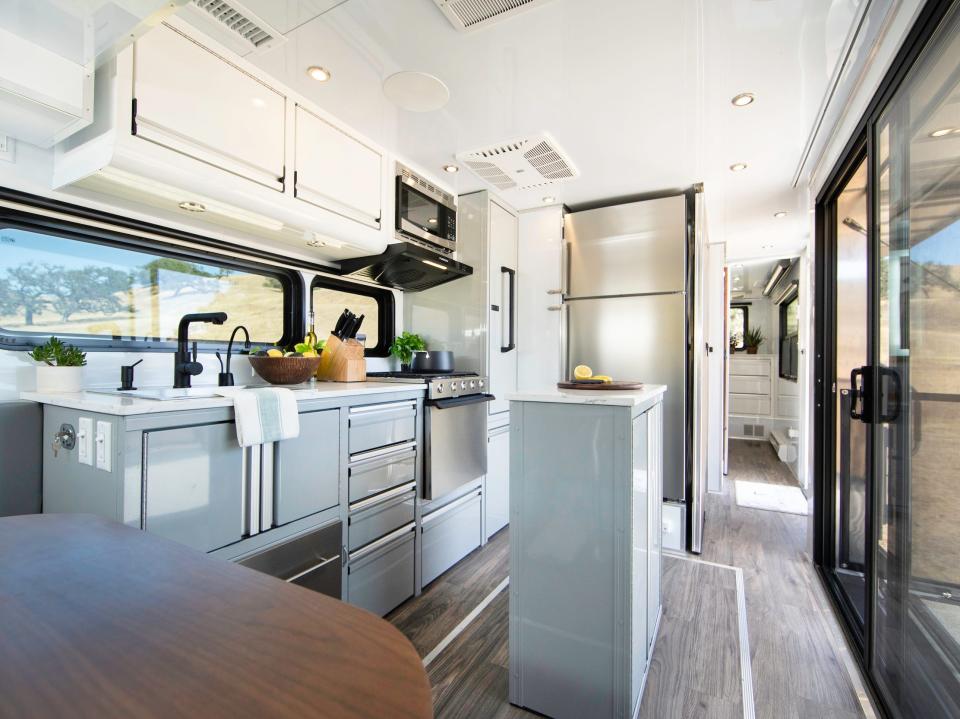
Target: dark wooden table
101, 620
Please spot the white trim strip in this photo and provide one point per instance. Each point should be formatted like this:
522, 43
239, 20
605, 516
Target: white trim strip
746, 670
458, 630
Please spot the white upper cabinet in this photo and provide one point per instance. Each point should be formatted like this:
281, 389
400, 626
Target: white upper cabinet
336, 171
502, 271
192, 100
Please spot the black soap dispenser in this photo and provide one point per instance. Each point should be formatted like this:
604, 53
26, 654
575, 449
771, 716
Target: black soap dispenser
126, 377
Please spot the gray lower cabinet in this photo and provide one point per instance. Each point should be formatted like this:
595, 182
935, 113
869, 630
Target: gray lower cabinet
311, 560
497, 483
307, 469
377, 517
449, 534
380, 425
381, 575
193, 484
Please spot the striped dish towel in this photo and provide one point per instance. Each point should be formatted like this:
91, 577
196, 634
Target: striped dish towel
266, 414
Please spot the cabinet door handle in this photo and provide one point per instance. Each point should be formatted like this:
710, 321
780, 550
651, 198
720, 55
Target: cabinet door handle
555, 292
511, 317
554, 308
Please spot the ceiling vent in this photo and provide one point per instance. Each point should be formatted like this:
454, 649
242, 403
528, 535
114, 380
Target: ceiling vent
523, 163
233, 24
467, 15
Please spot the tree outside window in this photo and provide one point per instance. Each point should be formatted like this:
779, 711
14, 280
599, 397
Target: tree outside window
739, 324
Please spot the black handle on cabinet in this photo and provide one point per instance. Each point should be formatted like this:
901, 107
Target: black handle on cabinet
861, 394
452, 402
512, 294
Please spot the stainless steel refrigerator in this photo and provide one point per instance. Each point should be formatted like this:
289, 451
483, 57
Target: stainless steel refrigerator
628, 314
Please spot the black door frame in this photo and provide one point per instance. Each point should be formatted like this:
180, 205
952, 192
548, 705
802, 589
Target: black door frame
859, 145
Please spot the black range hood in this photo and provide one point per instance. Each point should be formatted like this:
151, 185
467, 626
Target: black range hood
406, 266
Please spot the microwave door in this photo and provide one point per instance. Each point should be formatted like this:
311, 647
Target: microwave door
424, 218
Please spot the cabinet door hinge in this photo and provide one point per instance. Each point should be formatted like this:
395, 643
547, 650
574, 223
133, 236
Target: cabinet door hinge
133, 116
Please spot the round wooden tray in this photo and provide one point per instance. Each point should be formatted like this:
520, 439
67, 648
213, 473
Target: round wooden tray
621, 386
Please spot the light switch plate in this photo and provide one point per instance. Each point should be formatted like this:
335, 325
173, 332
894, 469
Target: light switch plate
85, 441
104, 445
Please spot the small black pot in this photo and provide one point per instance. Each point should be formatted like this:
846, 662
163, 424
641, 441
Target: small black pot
432, 361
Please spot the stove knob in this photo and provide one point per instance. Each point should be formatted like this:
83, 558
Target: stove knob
473, 384
480, 383
440, 387
463, 385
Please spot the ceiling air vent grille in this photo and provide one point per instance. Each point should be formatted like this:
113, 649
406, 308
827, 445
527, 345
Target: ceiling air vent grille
240, 22
523, 163
472, 14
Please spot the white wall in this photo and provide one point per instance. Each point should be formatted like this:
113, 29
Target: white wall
716, 314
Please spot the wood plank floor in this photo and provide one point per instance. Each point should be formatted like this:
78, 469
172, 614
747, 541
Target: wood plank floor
797, 670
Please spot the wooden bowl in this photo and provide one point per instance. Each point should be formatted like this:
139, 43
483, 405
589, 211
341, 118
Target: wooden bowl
285, 370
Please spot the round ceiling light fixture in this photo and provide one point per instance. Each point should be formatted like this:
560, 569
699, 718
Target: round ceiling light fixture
743, 99
738, 167
780, 215
943, 132
320, 74
451, 168
416, 91
191, 206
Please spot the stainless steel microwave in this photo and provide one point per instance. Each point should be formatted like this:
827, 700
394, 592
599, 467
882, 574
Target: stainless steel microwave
425, 214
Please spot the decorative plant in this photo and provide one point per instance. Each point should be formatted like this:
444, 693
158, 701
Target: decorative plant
57, 354
405, 345
753, 337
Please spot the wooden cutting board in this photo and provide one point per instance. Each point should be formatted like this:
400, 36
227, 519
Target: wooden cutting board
621, 386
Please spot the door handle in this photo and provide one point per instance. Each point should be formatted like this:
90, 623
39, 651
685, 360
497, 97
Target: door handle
512, 313
890, 395
861, 394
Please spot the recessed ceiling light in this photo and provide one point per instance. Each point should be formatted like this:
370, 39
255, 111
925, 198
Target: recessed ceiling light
549, 199
743, 99
320, 74
432, 220
191, 206
738, 167
780, 215
943, 131
451, 168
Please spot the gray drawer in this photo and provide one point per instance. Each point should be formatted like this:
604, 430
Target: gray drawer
379, 425
380, 576
375, 518
448, 535
372, 475
311, 560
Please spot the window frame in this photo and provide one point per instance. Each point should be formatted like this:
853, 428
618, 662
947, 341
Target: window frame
290, 280
746, 322
785, 336
386, 309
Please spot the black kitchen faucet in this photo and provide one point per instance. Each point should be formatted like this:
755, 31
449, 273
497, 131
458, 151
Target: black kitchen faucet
185, 365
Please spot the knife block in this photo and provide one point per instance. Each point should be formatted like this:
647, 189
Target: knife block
342, 361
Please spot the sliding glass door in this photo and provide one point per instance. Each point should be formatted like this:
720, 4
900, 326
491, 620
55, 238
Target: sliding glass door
916, 648
888, 378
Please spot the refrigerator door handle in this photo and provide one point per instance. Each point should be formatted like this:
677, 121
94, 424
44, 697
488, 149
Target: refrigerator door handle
511, 312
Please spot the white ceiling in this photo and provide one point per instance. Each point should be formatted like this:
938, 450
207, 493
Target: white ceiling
636, 91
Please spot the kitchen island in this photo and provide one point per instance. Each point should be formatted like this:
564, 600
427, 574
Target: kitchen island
101, 620
585, 498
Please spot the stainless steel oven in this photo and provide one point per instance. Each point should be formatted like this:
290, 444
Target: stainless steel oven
425, 214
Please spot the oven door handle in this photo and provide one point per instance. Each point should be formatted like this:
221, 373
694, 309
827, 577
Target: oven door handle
451, 402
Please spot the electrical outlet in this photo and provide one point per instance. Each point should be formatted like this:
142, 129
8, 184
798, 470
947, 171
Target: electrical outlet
85, 441
104, 445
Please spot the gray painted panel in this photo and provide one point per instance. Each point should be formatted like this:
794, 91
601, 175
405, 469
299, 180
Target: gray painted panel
195, 485
385, 579
370, 478
307, 469
640, 338
381, 428
450, 537
628, 249
639, 556
21, 425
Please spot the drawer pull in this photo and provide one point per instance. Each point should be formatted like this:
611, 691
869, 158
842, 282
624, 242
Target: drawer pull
314, 568
382, 542
383, 497
383, 452
367, 409
466, 499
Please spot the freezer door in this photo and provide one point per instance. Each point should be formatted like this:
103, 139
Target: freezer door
627, 249
640, 338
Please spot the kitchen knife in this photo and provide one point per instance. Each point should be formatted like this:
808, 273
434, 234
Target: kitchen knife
338, 329
356, 327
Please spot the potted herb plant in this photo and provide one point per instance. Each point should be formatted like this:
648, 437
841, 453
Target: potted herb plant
403, 347
60, 368
752, 339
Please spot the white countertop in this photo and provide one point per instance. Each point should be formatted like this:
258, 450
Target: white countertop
117, 404
616, 398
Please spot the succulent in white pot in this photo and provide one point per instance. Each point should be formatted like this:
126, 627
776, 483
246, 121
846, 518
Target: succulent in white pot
60, 367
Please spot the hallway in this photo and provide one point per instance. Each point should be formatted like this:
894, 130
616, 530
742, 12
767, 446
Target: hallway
754, 580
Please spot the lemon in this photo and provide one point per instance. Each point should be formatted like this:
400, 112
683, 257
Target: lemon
274, 353
581, 371
606, 379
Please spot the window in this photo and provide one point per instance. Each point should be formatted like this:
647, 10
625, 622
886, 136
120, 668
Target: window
102, 292
329, 297
739, 323
789, 336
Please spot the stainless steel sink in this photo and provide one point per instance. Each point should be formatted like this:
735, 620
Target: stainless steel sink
164, 393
